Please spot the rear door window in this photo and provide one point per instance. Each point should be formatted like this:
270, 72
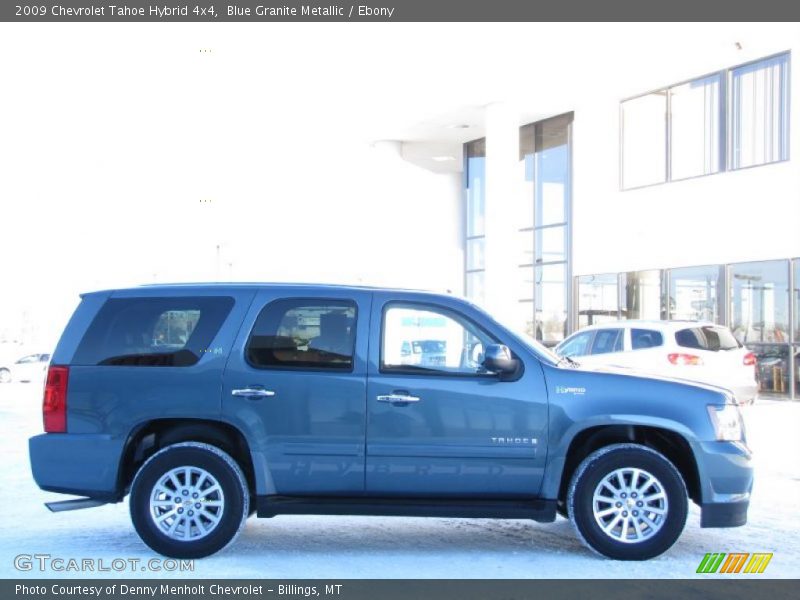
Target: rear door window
646, 338
607, 340
153, 332
297, 333
707, 337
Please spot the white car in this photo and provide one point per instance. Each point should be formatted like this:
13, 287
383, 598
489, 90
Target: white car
698, 351
31, 367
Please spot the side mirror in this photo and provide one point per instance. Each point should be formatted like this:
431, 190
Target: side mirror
497, 359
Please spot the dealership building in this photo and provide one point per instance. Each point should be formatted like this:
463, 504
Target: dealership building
559, 175
678, 198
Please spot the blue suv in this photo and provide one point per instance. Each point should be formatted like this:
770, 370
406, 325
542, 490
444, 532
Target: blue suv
208, 403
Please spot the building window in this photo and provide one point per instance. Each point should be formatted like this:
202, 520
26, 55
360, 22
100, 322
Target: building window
694, 294
796, 299
772, 368
640, 295
689, 130
644, 140
475, 256
760, 302
696, 118
550, 299
545, 160
796, 338
598, 299
760, 112
475, 286
475, 172
760, 320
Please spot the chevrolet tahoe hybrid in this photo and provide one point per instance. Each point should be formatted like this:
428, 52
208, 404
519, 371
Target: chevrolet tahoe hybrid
207, 403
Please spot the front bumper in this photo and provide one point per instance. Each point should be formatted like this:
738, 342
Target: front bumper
80, 464
726, 481
724, 514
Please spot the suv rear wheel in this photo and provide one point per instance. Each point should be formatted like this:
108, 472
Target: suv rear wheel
189, 500
628, 502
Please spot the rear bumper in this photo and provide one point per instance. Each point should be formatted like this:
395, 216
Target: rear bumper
726, 481
80, 464
745, 394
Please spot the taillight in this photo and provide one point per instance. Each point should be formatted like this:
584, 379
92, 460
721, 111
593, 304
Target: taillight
54, 406
749, 359
684, 359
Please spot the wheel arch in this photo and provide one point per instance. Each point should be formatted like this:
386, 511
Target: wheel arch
672, 444
151, 436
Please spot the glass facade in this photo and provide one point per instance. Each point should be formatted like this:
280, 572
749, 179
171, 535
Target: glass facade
598, 299
545, 160
640, 295
758, 301
542, 207
695, 294
760, 319
732, 119
796, 328
475, 186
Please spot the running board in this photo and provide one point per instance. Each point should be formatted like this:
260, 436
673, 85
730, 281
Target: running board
537, 509
75, 504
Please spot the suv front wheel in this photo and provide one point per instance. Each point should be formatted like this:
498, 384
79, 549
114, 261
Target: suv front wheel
189, 500
628, 502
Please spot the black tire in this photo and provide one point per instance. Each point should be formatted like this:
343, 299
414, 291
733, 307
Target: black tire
231, 515
604, 462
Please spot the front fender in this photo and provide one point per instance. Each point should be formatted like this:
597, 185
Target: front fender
582, 399
557, 456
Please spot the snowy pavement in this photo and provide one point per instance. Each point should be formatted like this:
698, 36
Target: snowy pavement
375, 547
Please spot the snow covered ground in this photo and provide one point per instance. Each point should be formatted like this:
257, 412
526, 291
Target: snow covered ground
372, 547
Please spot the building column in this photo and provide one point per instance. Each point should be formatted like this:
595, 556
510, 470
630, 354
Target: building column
501, 223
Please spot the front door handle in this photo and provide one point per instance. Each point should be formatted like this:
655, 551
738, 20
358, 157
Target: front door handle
253, 393
398, 398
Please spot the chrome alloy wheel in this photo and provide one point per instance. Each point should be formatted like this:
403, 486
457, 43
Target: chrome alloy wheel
630, 505
187, 503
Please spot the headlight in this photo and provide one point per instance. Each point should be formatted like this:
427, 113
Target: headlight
727, 422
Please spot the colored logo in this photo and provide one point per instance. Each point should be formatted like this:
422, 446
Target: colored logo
734, 562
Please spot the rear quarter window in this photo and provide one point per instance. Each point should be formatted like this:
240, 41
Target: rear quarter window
707, 337
153, 332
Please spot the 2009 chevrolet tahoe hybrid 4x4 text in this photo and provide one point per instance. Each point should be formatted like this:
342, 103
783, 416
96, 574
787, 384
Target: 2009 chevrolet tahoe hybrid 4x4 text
208, 402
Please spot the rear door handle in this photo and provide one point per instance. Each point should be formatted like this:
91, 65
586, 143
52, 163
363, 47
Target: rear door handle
398, 398
253, 393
